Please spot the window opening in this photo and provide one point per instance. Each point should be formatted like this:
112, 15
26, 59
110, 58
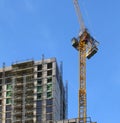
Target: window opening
8, 121
39, 96
48, 109
39, 74
49, 87
9, 94
39, 117
49, 65
9, 87
8, 80
49, 80
39, 67
29, 78
39, 89
49, 73
0, 88
39, 103
49, 94
0, 81
8, 101
0, 94
49, 116
8, 115
8, 108
39, 81
49, 102
39, 110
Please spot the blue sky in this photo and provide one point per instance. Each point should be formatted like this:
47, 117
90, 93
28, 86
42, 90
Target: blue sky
30, 28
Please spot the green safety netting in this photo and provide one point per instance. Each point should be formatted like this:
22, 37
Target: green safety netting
49, 94
9, 94
39, 89
8, 101
9, 87
49, 87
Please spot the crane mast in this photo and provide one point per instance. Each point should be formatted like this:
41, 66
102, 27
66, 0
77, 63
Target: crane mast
86, 45
82, 89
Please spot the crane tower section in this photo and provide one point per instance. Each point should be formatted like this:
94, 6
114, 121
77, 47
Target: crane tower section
86, 45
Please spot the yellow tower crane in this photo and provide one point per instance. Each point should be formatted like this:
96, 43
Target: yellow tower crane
87, 47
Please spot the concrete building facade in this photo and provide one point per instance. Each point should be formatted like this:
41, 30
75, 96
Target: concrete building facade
32, 92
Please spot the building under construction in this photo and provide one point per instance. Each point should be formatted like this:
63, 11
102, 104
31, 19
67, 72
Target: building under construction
32, 92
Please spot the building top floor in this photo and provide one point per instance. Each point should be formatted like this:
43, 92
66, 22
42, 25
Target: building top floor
27, 63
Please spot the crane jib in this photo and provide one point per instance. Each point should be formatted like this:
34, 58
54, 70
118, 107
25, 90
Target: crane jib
79, 15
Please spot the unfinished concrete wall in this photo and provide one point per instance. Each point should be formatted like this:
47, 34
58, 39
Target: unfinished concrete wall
32, 92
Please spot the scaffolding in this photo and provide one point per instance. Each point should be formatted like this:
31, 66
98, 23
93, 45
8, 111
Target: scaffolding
66, 98
23, 93
3, 94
